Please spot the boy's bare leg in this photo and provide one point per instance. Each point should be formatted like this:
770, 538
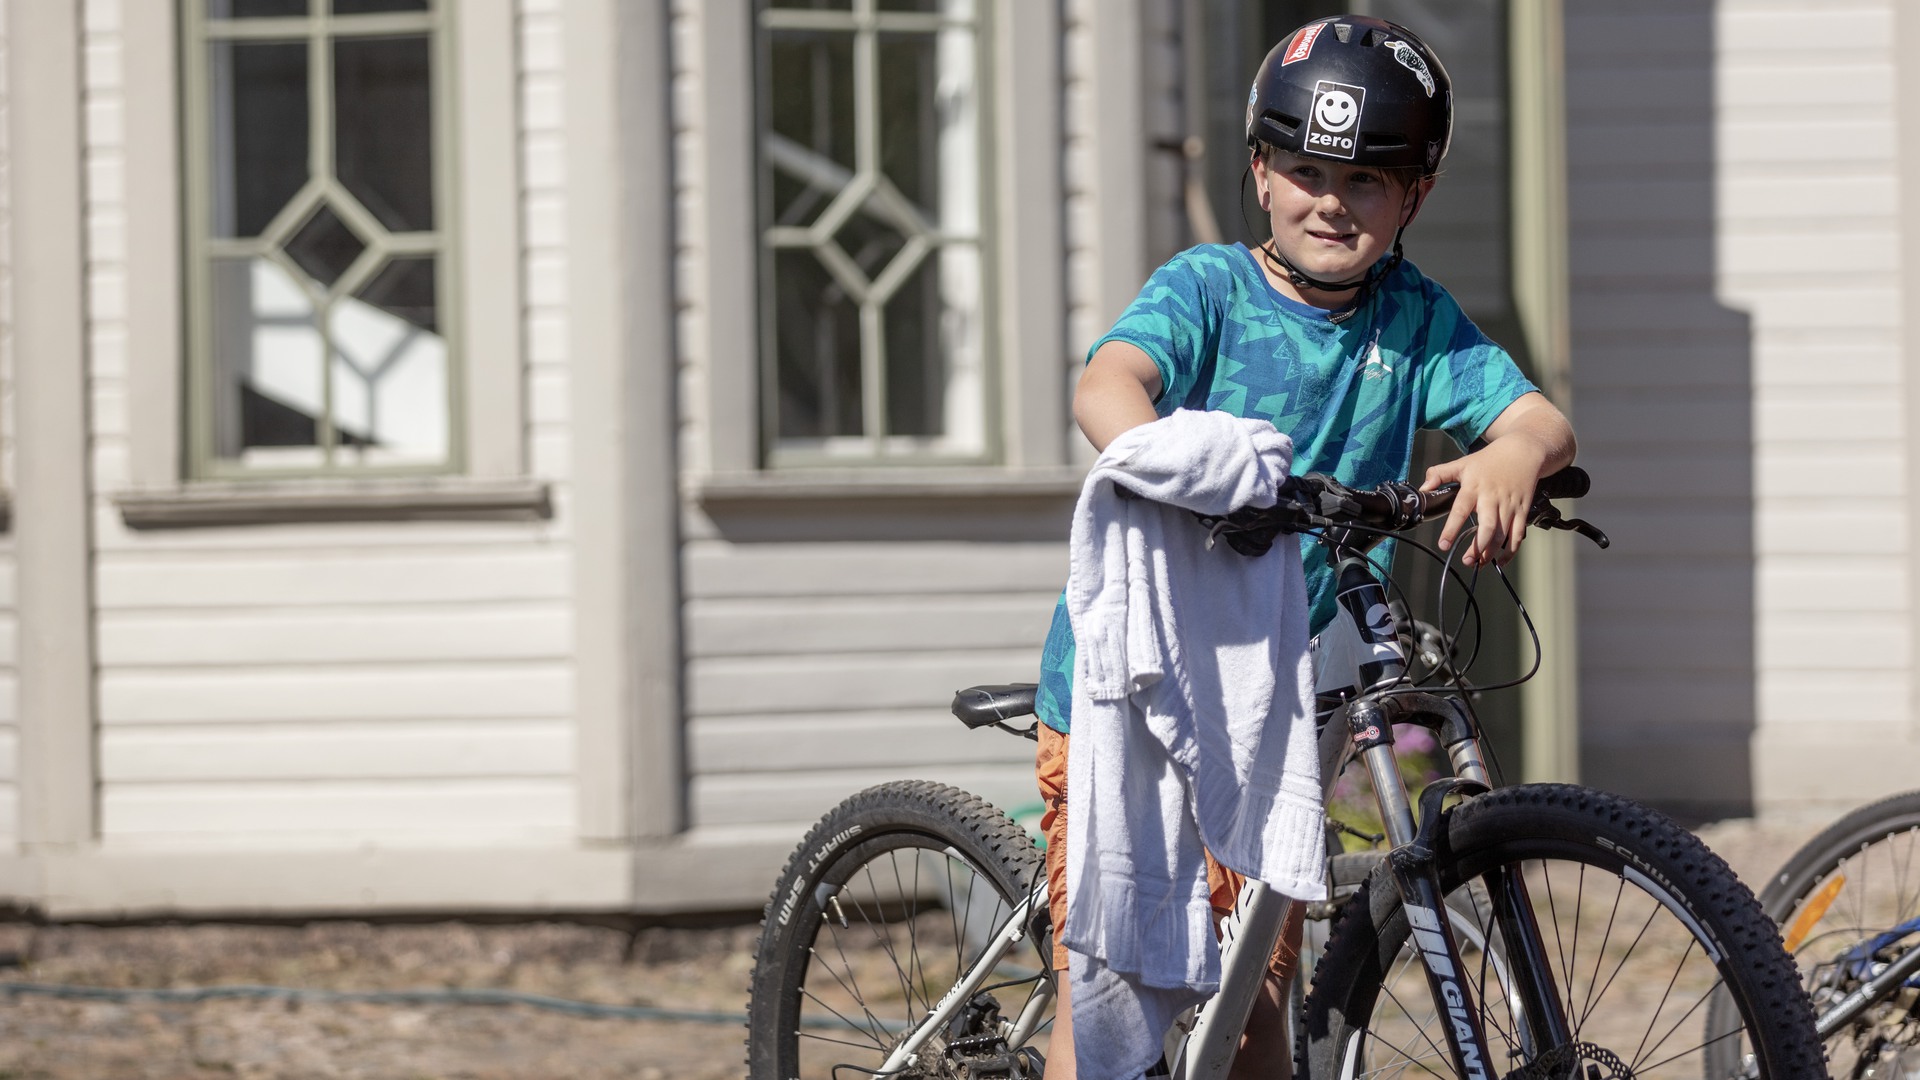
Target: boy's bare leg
1266, 1053
1060, 1062
1266, 1050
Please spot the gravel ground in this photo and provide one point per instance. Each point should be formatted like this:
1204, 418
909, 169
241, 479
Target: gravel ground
671, 968
704, 969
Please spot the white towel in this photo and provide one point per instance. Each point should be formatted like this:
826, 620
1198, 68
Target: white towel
1192, 723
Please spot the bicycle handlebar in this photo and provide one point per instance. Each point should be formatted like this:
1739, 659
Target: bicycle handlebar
1318, 501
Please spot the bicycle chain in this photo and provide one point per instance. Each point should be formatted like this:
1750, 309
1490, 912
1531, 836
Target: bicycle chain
1556, 1064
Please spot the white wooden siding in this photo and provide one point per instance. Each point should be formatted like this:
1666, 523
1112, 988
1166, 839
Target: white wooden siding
690, 254
817, 669
1737, 415
321, 686
9, 732
1833, 620
1087, 318
544, 209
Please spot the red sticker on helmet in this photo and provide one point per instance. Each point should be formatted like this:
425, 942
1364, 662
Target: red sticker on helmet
1301, 46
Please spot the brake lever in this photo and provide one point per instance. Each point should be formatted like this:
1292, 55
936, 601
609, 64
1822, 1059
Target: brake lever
1547, 516
1587, 530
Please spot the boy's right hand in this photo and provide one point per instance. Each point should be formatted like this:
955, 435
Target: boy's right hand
1528, 440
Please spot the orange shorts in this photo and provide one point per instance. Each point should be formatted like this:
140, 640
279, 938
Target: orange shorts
1223, 884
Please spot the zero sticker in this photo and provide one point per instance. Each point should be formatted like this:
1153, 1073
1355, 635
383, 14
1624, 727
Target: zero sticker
1334, 120
1301, 46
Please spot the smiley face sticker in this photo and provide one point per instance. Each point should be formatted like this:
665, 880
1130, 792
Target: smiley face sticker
1335, 110
1334, 121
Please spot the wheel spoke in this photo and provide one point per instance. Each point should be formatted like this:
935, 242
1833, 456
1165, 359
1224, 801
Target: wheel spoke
1420, 1017
1600, 953
853, 989
1438, 1052
1573, 953
877, 1031
886, 943
884, 863
1625, 955
1640, 1052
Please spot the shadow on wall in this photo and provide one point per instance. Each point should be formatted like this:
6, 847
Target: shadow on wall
1663, 388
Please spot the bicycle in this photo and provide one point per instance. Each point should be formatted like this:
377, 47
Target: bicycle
1849, 904
926, 904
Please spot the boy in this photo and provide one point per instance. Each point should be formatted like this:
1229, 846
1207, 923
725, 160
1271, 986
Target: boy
1329, 334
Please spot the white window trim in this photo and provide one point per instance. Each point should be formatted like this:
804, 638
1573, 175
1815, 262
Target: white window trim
486, 217
1027, 277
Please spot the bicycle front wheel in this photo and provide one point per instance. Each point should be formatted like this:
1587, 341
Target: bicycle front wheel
1638, 926
1849, 901
884, 907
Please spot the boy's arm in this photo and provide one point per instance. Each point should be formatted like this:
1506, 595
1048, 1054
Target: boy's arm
1528, 440
1115, 393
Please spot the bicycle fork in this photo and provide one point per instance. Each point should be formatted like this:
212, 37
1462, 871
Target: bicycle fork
1535, 999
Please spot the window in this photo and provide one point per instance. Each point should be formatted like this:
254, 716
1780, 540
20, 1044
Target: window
318, 265
873, 217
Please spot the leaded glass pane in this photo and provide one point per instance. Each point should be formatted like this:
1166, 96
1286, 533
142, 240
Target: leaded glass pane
405, 289
369, 7
810, 145
254, 9
390, 373
324, 247
258, 124
383, 127
914, 356
267, 349
870, 240
934, 348
928, 112
819, 351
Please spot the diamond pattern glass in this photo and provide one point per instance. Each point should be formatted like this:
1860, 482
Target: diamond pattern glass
324, 247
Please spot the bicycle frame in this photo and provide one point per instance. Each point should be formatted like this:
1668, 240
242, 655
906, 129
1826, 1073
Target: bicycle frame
1011, 933
1361, 667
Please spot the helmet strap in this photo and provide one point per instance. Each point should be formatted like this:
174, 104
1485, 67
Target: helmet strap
1364, 288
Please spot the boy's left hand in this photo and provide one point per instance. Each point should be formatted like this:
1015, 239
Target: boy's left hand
1530, 439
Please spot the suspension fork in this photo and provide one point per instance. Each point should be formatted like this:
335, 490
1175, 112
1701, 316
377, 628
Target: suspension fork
1411, 860
1536, 998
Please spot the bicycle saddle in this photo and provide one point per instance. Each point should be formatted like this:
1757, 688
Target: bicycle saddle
979, 706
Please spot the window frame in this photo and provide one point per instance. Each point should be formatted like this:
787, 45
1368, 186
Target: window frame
862, 20
1026, 357
319, 30
483, 120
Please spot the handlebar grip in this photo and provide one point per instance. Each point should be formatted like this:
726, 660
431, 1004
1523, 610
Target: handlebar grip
1571, 482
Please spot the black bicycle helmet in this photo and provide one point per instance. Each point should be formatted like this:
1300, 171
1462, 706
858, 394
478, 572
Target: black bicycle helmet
1355, 89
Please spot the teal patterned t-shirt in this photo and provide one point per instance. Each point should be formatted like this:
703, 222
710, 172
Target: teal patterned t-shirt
1350, 394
